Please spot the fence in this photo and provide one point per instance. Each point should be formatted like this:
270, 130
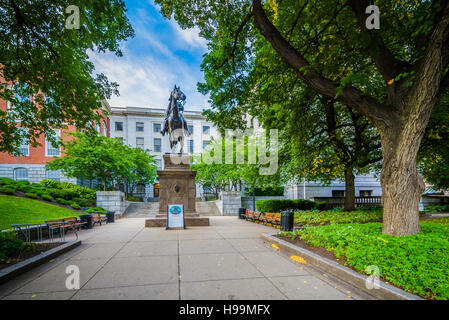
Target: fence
360, 202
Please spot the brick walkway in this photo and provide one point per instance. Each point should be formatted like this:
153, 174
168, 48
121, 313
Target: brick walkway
227, 260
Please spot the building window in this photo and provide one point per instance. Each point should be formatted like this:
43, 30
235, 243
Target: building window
157, 145
104, 129
366, 193
53, 175
140, 143
23, 149
50, 149
338, 193
206, 130
119, 126
139, 126
20, 174
205, 143
191, 146
156, 127
97, 127
190, 129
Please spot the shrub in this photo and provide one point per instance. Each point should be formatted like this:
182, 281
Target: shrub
336, 216
90, 210
99, 209
76, 190
269, 191
4, 181
10, 245
75, 205
277, 205
47, 197
61, 201
62, 193
82, 202
24, 188
32, 195
437, 208
8, 189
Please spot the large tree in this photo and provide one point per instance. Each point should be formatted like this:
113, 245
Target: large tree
45, 72
410, 53
321, 140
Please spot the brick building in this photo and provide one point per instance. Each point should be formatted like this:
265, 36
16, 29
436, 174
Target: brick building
31, 165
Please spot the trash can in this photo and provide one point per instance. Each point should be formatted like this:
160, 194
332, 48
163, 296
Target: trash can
86, 218
287, 220
110, 216
242, 213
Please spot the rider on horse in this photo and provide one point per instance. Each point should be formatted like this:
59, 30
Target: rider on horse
180, 104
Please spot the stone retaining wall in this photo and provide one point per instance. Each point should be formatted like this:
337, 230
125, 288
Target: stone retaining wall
231, 201
111, 201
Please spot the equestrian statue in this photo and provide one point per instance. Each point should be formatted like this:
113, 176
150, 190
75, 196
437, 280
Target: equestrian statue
174, 123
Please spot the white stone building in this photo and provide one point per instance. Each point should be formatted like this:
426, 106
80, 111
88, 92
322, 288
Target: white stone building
365, 186
140, 127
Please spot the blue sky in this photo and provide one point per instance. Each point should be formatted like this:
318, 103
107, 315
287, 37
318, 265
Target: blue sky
158, 57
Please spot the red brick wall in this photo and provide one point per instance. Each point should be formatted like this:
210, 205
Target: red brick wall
37, 154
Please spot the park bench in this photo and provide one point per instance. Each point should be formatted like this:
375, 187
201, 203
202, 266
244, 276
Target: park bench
274, 219
62, 226
98, 218
257, 217
75, 222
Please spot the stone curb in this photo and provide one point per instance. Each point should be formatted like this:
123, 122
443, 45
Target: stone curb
385, 291
26, 265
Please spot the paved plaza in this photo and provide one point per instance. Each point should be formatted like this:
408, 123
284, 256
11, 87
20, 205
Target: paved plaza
228, 260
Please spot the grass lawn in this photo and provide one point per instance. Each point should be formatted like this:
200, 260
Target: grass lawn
327, 217
16, 210
418, 263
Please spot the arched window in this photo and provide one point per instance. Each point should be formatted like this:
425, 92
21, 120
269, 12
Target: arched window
20, 174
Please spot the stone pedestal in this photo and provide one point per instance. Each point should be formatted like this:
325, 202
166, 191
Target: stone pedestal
177, 186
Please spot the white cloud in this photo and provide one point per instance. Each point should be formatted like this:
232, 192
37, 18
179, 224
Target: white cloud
145, 82
190, 36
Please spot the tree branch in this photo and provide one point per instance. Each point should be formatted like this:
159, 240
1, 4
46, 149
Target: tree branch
386, 63
236, 38
351, 96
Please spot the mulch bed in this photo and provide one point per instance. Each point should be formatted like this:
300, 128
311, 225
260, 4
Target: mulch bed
30, 251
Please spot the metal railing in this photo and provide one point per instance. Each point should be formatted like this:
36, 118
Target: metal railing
361, 202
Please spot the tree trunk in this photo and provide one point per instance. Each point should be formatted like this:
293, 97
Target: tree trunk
349, 190
402, 186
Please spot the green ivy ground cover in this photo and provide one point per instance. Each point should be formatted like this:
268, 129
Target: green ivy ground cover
418, 263
326, 217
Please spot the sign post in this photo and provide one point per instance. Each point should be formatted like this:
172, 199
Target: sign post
175, 216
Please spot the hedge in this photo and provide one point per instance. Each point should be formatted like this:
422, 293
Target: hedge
277, 205
75, 190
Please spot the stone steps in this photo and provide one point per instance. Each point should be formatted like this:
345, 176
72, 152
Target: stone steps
207, 208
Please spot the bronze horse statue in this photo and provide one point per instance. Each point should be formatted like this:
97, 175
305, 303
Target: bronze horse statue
175, 124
